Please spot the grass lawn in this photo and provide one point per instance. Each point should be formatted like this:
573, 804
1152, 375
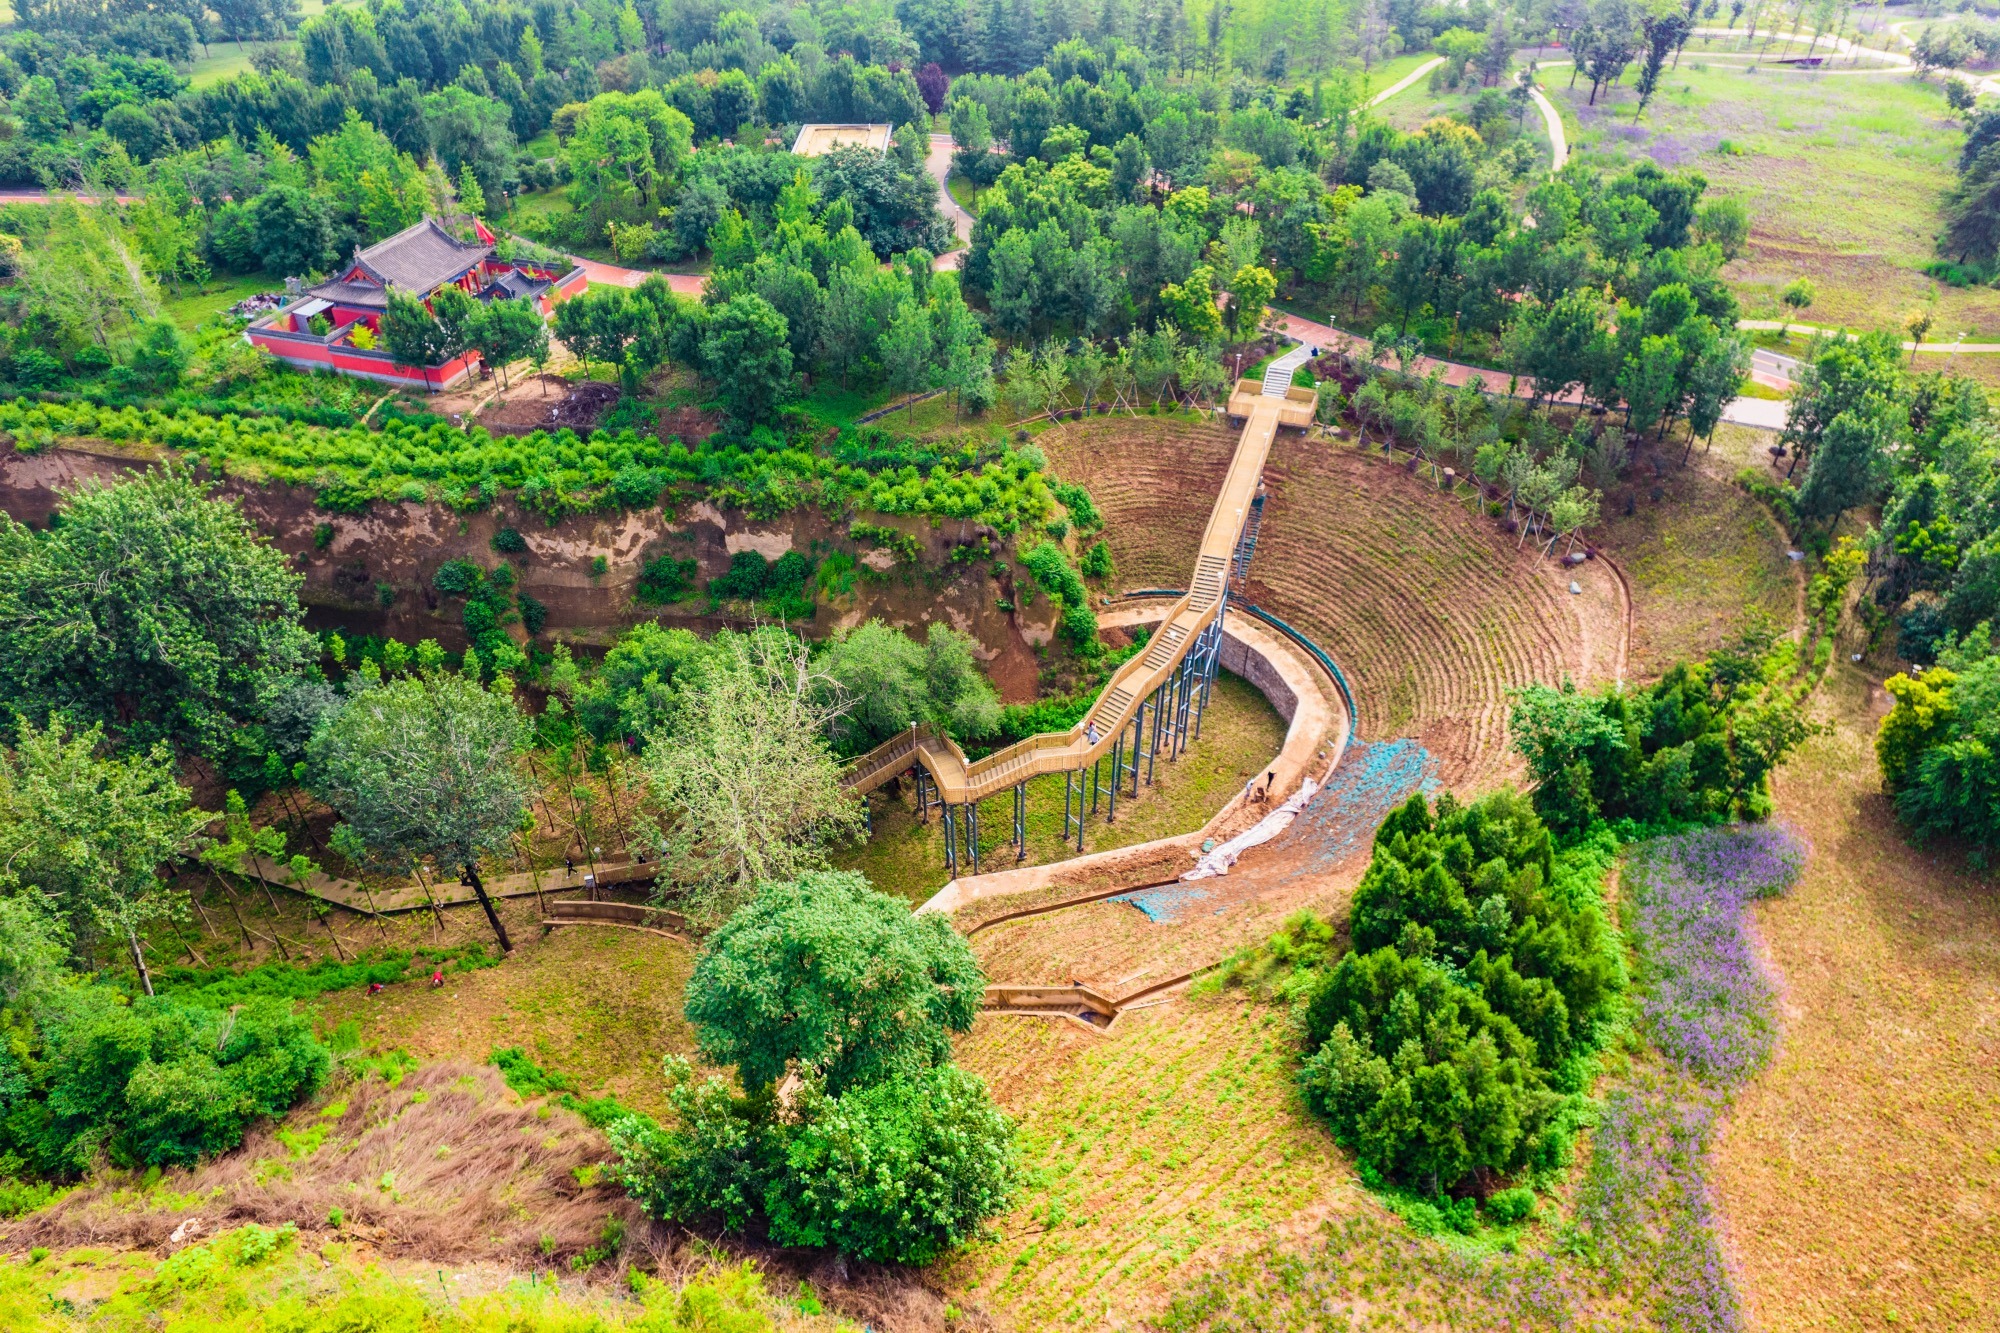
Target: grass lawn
1239, 735
1389, 72
1416, 104
964, 193
542, 145
225, 60
1841, 173
197, 306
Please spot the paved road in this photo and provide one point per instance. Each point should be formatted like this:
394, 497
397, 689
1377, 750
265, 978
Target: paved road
1762, 413
938, 162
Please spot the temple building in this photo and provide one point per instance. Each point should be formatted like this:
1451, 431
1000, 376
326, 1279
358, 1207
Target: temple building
337, 324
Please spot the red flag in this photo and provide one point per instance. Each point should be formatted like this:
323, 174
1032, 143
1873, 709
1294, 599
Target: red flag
479, 230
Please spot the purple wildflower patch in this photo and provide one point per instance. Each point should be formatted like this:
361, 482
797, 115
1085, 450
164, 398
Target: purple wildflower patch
1704, 1000
1646, 1208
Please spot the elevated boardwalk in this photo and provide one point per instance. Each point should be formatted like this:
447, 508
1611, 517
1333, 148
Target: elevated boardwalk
960, 781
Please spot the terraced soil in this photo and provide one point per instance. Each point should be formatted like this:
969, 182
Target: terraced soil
1155, 479
1152, 1154
1424, 602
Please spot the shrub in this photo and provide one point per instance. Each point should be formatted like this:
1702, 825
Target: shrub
509, 541
1696, 747
745, 581
1082, 509
1507, 1207
713, 1166
664, 579
1937, 746
534, 613
458, 578
898, 1172
1051, 570
156, 1083
1096, 562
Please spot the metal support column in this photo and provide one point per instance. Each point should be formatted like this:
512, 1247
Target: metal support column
923, 796
868, 815
972, 833
1140, 754
1096, 783
1073, 797
1020, 821
950, 840
1117, 761
1159, 719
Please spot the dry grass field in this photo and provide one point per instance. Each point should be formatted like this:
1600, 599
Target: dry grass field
1860, 1175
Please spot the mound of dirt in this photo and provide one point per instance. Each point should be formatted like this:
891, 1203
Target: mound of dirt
555, 404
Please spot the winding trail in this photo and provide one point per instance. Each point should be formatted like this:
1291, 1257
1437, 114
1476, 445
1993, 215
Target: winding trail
1404, 82
938, 163
1553, 121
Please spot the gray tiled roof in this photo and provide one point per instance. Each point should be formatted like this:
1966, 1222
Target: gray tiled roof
353, 293
420, 257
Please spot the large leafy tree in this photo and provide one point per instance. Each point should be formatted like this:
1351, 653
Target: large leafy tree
92, 833
745, 350
894, 681
740, 785
151, 607
823, 974
424, 768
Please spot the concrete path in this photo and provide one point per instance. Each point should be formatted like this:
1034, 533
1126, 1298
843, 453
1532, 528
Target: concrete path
1404, 82
938, 163
1552, 119
1953, 348
1762, 413
1278, 375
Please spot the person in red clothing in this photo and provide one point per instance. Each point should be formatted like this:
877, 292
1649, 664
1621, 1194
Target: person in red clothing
437, 979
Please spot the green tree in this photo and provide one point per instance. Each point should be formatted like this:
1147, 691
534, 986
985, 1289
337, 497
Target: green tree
503, 332
745, 349
908, 352
162, 354
470, 197
1847, 468
740, 785
1252, 287
823, 974
92, 833
893, 681
422, 768
293, 234
410, 334
151, 607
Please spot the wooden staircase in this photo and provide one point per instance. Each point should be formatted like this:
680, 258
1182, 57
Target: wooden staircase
959, 781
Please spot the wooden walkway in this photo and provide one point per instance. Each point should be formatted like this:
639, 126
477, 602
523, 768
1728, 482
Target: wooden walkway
371, 900
960, 780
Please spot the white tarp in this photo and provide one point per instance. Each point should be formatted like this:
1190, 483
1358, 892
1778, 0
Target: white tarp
1270, 826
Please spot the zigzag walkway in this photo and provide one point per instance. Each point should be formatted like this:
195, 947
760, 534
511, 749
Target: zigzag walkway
1147, 683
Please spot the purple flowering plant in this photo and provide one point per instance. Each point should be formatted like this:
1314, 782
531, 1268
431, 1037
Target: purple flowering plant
1703, 998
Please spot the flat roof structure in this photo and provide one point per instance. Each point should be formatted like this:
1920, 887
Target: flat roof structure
815, 140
